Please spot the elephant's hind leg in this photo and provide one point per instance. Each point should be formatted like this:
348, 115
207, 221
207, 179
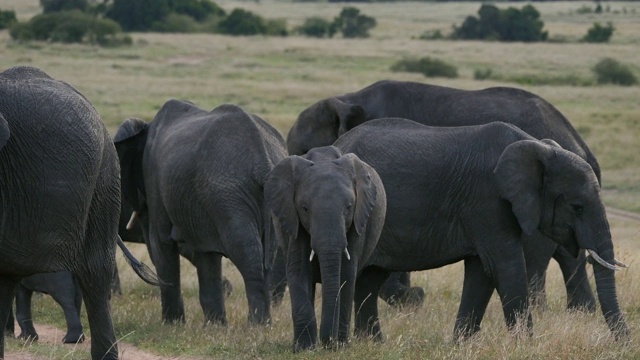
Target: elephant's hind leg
476, 293
8, 285
23, 314
209, 266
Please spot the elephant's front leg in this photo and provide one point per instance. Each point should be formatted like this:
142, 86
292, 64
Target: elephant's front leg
538, 250
510, 278
209, 267
8, 285
366, 302
299, 278
23, 314
347, 291
579, 293
476, 293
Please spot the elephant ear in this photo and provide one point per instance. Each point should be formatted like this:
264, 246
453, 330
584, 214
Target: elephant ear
130, 141
279, 190
4, 131
349, 115
366, 192
519, 176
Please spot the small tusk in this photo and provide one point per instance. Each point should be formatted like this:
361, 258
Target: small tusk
621, 264
132, 221
312, 253
346, 252
600, 261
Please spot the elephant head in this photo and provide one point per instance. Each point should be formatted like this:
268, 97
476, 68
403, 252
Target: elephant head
556, 192
322, 123
322, 204
130, 141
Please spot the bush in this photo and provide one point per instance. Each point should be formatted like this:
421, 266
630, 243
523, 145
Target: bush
277, 27
138, 15
610, 71
243, 22
49, 6
352, 24
427, 66
510, 24
176, 23
598, 33
67, 26
316, 27
200, 10
482, 74
7, 18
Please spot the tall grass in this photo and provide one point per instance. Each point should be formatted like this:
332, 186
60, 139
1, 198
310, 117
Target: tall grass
277, 78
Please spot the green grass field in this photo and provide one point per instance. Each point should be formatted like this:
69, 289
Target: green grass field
277, 78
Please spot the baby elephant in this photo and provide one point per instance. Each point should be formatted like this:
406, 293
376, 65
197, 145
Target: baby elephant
64, 289
328, 210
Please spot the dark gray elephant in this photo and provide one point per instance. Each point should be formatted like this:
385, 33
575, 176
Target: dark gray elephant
64, 289
323, 122
328, 210
196, 178
468, 193
60, 194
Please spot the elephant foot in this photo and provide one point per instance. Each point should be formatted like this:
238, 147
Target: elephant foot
28, 337
303, 346
73, 338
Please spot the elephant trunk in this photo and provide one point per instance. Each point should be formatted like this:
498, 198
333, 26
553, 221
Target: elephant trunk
330, 265
606, 288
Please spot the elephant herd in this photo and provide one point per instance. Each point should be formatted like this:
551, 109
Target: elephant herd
394, 178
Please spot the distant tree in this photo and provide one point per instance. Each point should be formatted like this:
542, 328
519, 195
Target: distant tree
200, 10
138, 15
49, 6
510, 24
7, 18
352, 24
598, 33
242, 22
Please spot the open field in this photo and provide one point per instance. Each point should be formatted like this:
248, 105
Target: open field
277, 78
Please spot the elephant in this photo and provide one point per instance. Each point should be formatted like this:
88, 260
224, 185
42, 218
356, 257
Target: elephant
60, 194
323, 122
64, 289
468, 193
195, 178
333, 205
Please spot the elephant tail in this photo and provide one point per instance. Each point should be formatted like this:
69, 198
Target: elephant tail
143, 271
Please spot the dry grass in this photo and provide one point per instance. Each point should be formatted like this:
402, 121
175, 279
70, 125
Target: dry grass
277, 78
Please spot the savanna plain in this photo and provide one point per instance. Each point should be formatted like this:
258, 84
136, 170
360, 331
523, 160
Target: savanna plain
278, 77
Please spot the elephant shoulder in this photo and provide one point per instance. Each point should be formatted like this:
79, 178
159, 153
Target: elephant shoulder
21, 73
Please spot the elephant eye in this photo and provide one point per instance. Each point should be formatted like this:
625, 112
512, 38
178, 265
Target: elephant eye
347, 209
305, 208
578, 209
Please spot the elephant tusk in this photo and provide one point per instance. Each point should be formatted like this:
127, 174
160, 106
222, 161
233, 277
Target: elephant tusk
312, 253
346, 252
621, 264
132, 221
600, 261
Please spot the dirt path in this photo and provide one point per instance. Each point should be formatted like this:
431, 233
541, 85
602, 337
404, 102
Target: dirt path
621, 214
52, 335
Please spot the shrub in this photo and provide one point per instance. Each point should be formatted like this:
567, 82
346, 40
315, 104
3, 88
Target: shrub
482, 74
243, 22
427, 66
509, 24
352, 24
598, 33
7, 18
138, 15
610, 71
200, 10
49, 6
432, 35
176, 23
316, 27
277, 27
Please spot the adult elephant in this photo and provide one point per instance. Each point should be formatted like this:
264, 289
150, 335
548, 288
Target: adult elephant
468, 193
197, 176
60, 194
323, 122
332, 205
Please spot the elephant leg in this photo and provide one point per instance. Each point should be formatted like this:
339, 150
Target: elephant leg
367, 323
537, 250
476, 293
23, 314
10, 329
302, 293
278, 277
67, 299
579, 293
8, 285
209, 267
510, 279
247, 254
